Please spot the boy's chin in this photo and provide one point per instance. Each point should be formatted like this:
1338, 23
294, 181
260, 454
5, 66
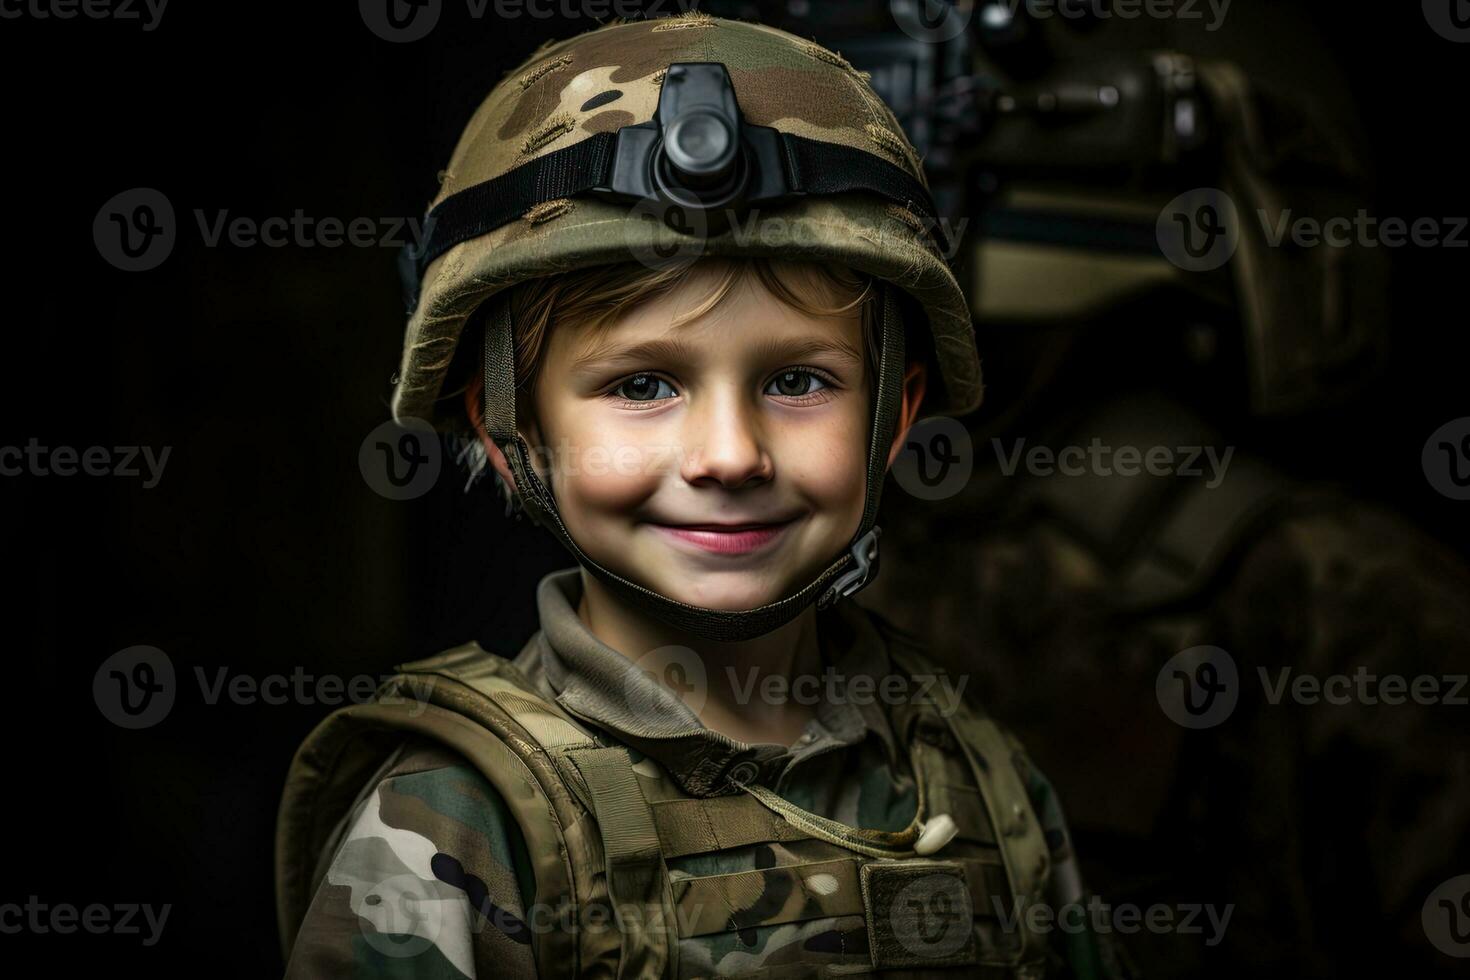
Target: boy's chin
698, 581
730, 591
721, 592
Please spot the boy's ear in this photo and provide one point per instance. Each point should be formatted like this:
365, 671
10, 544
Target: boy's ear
914, 381
473, 397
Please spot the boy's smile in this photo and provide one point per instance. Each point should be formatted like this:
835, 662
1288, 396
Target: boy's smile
753, 415
726, 539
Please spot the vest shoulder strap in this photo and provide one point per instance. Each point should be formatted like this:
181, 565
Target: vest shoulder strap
1014, 825
545, 764
574, 764
637, 878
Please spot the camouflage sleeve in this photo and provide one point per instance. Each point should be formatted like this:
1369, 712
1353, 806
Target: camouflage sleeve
1078, 949
430, 880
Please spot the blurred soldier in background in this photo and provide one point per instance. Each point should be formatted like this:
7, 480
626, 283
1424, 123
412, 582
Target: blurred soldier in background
1121, 202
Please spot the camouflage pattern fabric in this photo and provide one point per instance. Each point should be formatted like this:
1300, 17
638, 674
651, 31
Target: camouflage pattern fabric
432, 878
430, 852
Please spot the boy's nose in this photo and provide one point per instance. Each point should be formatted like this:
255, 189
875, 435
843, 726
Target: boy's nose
723, 443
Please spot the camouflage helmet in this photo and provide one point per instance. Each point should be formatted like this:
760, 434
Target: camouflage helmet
738, 139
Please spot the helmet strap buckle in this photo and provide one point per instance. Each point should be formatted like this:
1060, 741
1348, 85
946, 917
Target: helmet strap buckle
865, 555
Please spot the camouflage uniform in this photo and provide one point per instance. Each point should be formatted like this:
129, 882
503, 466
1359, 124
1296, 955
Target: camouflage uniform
449, 836
429, 826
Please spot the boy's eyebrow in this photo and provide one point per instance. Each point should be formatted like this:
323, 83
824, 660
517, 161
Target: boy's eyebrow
673, 351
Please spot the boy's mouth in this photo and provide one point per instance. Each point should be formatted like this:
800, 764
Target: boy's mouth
725, 539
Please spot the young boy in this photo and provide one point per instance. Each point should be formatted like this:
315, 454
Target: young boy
709, 761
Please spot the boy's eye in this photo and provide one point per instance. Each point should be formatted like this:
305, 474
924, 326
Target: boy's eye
795, 383
642, 388
791, 383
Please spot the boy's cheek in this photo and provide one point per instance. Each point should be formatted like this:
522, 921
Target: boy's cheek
609, 478
603, 459
828, 463
611, 461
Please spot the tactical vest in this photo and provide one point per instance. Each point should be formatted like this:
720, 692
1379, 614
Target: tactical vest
598, 831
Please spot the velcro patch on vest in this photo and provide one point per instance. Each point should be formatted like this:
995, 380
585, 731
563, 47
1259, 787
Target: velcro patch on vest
919, 914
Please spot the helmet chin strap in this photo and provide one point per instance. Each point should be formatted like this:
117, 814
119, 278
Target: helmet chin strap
848, 573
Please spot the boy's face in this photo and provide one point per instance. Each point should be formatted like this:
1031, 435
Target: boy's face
720, 462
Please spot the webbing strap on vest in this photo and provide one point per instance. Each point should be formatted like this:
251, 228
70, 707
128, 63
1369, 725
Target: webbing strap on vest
637, 879
1017, 831
717, 823
873, 843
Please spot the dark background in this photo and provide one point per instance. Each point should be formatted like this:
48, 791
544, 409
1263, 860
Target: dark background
263, 550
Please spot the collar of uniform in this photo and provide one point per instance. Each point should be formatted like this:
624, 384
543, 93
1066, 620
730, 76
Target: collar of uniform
601, 686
